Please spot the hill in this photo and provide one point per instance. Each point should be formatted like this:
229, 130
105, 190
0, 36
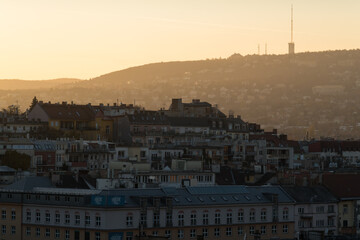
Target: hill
315, 93
16, 84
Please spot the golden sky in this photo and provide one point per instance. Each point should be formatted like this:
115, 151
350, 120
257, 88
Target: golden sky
44, 39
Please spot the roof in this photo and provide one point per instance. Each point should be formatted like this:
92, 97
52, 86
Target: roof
315, 194
190, 121
343, 185
69, 111
203, 196
180, 197
6, 169
148, 117
29, 183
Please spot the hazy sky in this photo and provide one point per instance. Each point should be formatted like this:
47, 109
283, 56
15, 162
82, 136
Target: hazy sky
43, 39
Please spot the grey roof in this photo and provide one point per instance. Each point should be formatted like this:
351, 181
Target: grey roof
29, 183
189, 121
181, 197
6, 169
202, 196
316, 194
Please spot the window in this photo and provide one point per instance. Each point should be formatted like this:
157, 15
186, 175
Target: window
129, 235
240, 231
300, 210
3, 214
28, 216
143, 219
97, 236
57, 233
285, 214
67, 234
129, 220
216, 232
180, 233
240, 215
167, 233
319, 223
205, 218
98, 221
205, 232
345, 209
47, 217
301, 223
252, 215
193, 219
28, 231
156, 219
192, 233
229, 218
168, 219
13, 215
13, 230
57, 217
67, 218
37, 232
181, 219
228, 231
252, 230
217, 218
330, 208
285, 228
320, 209
345, 223
87, 220
263, 229
3, 229
273, 229
263, 215
331, 222
77, 219
47, 232
38, 216
155, 233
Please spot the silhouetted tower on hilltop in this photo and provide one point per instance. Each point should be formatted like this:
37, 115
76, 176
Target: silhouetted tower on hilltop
292, 44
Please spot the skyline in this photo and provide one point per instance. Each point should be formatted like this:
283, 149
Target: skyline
85, 39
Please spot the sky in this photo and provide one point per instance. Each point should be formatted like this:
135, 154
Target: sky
47, 39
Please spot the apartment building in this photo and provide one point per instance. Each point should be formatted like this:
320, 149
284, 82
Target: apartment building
226, 212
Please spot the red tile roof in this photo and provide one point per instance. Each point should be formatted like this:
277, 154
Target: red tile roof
343, 185
69, 111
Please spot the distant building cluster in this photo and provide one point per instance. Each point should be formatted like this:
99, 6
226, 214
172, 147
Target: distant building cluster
190, 171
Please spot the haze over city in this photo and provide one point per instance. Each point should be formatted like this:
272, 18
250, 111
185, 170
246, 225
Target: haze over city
84, 39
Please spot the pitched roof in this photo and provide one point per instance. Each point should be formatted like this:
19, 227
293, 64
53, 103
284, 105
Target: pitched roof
190, 121
343, 185
316, 194
148, 118
69, 111
29, 183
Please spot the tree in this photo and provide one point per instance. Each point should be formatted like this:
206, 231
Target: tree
33, 103
16, 160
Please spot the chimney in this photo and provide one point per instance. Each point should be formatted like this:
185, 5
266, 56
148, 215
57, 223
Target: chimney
72, 103
64, 103
114, 104
274, 131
